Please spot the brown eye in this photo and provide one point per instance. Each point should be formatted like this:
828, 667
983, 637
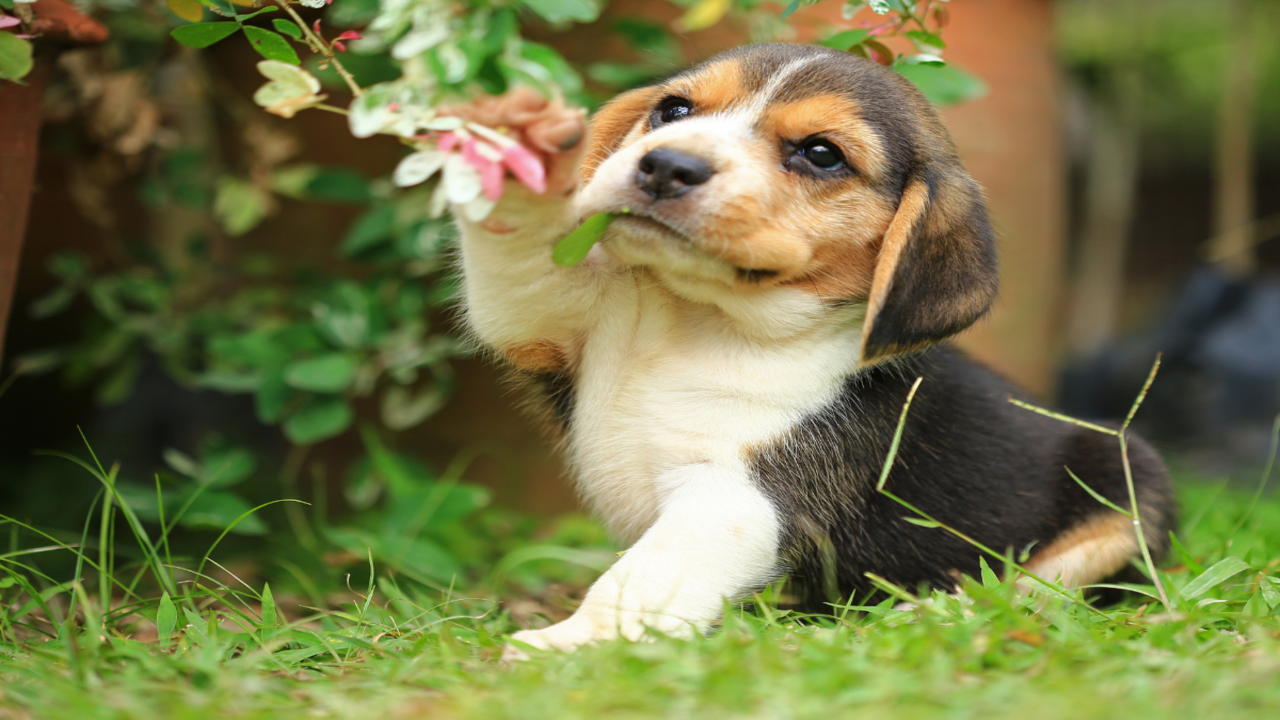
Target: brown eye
822, 154
671, 110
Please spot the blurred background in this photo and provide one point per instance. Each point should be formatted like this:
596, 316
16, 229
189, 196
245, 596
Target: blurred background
222, 298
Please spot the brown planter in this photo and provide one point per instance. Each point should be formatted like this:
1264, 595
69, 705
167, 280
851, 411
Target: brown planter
57, 25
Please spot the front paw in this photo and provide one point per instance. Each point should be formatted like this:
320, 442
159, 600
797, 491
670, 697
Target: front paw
592, 625
554, 133
565, 636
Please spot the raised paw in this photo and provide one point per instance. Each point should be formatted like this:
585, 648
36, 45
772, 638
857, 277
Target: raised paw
554, 133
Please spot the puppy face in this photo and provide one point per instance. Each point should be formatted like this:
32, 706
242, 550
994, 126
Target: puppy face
793, 166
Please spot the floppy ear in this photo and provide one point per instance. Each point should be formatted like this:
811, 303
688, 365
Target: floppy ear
936, 273
610, 125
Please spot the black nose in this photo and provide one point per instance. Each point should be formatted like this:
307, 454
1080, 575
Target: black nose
667, 173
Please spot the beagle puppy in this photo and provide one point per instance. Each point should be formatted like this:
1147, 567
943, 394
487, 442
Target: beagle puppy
727, 367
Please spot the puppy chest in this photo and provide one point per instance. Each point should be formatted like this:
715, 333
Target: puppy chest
659, 395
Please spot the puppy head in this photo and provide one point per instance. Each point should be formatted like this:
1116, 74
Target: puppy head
795, 166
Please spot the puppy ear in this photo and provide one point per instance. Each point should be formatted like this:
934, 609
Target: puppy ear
936, 273
610, 125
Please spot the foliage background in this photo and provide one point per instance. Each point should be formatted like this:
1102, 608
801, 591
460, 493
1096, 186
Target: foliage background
256, 312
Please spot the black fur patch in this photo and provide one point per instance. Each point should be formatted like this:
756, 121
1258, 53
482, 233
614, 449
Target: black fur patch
968, 458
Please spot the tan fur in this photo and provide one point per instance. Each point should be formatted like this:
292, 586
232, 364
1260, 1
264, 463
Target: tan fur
611, 124
536, 357
834, 117
910, 214
713, 89
1088, 553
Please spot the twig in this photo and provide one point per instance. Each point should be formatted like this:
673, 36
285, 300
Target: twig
1128, 471
1128, 481
318, 44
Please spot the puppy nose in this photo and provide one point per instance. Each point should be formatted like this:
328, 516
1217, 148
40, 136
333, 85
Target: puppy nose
666, 173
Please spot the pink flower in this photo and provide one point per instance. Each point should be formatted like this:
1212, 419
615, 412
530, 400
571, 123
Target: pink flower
8, 21
491, 172
348, 35
492, 155
448, 141
526, 167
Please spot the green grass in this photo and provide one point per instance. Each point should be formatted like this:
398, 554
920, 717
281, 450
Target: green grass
218, 648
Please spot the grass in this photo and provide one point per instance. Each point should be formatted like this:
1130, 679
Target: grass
186, 645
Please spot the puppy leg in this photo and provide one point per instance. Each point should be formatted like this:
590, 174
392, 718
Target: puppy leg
517, 300
1091, 552
1100, 546
715, 540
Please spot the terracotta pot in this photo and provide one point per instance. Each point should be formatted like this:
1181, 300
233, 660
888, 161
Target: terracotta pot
57, 25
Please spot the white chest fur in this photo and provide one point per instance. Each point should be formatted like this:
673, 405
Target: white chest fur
663, 382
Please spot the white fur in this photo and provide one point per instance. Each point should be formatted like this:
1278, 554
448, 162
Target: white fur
680, 375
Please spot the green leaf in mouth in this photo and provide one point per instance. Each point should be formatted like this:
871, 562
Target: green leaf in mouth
574, 247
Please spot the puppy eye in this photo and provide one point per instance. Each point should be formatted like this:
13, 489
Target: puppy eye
822, 154
671, 110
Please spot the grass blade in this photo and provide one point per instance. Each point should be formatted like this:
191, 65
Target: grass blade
1219, 573
897, 436
1096, 495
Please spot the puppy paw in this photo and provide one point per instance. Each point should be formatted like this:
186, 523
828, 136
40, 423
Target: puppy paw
592, 625
554, 133
565, 636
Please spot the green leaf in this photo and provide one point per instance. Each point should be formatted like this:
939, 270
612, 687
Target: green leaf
402, 409
351, 13
15, 57
288, 27
879, 7
270, 613
53, 303
369, 230
557, 11
846, 39
649, 38
989, 578
194, 625
240, 205
292, 180
166, 619
272, 397
348, 317
339, 186
786, 13
574, 247
290, 89
1183, 555
181, 462
927, 38
202, 35
320, 418
703, 14
1271, 591
224, 466
1219, 573
271, 45
189, 10
943, 84
142, 500
330, 373
216, 510
270, 629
